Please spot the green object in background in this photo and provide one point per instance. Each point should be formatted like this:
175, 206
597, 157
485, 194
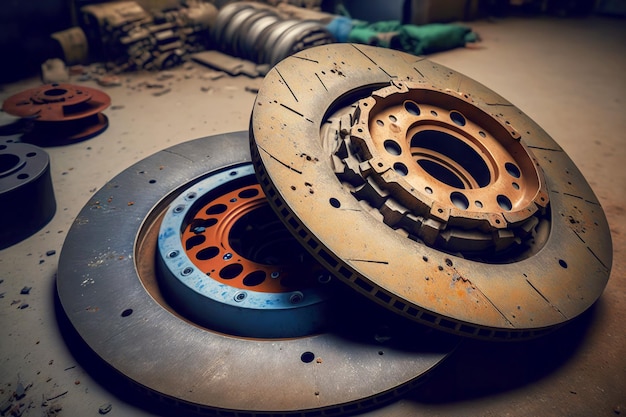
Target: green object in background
417, 40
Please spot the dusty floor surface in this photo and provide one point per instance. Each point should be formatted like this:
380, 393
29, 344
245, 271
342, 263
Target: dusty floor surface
567, 75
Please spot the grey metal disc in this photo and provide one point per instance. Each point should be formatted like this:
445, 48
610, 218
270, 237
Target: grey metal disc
107, 288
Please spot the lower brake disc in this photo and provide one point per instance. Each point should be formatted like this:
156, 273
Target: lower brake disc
179, 275
428, 193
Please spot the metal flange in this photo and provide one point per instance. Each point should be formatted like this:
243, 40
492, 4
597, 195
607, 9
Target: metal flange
61, 113
378, 195
117, 299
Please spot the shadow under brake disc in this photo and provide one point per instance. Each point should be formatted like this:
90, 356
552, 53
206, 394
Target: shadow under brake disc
449, 207
201, 296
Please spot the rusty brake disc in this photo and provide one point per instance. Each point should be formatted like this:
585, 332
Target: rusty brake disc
61, 113
428, 192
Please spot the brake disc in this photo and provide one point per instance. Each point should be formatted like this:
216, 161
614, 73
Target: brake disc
428, 193
178, 275
61, 113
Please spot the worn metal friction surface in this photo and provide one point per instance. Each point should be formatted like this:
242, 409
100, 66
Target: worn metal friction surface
428, 192
61, 113
111, 291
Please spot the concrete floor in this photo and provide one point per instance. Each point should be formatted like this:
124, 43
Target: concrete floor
567, 75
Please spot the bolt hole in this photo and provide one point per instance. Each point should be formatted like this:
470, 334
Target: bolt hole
412, 108
515, 185
401, 169
482, 134
478, 204
380, 122
381, 353
393, 118
307, 357
22, 176
449, 262
334, 202
187, 271
504, 202
173, 254
457, 118
562, 263
127, 312
428, 190
512, 169
249, 193
152, 181
208, 253
231, 271
459, 200
434, 113
31, 154
392, 147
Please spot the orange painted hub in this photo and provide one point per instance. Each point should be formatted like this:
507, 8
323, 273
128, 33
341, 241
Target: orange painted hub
234, 240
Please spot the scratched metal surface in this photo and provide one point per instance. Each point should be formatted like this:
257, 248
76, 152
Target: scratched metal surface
514, 300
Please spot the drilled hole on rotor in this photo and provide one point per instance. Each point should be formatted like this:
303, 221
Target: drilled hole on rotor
513, 170
198, 225
249, 193
55, 92
392, 147
216, 209
504, 202
459, 200
449, 159
457, 118
231, 271
261, 237
254, 278
208, 253
412, 108
307, 357
400, 169
194, 241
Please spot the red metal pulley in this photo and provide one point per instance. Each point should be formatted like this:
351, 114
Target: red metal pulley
61, 113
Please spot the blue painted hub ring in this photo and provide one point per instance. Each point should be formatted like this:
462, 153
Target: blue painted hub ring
216, 305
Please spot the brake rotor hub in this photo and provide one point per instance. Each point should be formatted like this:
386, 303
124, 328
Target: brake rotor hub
62, 113
229, 264
438, 168
428, 201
